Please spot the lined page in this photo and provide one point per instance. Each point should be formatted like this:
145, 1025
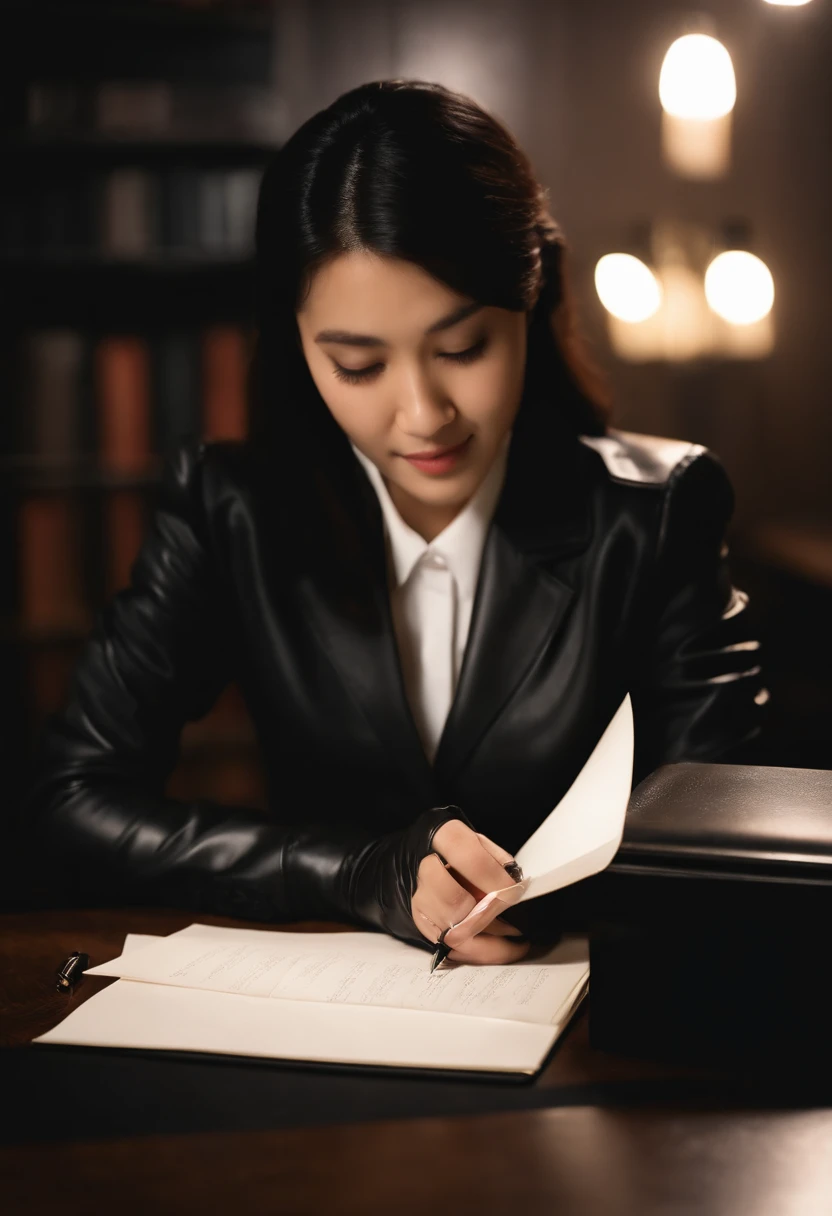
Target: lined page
362, 969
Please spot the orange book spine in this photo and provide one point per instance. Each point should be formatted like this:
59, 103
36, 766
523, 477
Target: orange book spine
224, 373
122, 373
124, 529
51, 562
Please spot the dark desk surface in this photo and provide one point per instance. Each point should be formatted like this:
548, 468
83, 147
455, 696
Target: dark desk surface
595, 1135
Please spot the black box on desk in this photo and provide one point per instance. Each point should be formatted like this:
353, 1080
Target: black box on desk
711, 930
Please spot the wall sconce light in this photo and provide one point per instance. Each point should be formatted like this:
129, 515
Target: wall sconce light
714, 298
697, 78
788, 3
697, 90
739, 287
626, 287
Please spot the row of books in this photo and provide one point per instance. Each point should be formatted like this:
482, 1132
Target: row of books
132, 213
159, 109
126, 397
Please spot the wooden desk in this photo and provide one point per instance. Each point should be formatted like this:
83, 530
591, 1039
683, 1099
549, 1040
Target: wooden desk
658, 1140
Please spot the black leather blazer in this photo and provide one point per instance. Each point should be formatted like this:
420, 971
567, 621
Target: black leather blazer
604, 571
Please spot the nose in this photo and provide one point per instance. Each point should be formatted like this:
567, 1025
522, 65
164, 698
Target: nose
422, 408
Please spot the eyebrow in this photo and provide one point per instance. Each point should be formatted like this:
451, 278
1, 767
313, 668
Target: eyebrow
345, 338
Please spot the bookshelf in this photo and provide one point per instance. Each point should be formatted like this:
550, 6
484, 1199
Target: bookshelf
136, 135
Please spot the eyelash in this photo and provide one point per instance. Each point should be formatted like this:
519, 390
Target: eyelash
367, 373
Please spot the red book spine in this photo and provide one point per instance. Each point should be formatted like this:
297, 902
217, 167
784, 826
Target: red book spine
124, 530
224, 373
51, 591
122, 374
122, 367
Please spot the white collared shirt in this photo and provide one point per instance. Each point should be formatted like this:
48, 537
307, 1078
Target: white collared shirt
432, 588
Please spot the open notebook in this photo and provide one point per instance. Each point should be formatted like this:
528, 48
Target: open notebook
364, 997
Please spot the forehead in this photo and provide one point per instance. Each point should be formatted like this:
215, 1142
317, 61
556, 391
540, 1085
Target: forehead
372, 291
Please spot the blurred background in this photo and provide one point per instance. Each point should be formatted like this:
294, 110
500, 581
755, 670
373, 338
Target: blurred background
687, 157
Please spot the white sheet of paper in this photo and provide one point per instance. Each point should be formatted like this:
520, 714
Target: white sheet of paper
161, 1017
134, 941
157, 1017
583, 833
366, 969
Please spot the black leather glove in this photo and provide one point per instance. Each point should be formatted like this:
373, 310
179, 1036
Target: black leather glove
342, 875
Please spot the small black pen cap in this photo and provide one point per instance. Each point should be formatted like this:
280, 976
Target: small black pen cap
70, 971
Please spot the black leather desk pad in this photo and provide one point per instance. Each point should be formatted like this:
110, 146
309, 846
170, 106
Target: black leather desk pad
58, 1093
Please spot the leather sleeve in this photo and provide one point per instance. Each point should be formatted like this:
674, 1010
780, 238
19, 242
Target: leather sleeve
700, 693
100, 821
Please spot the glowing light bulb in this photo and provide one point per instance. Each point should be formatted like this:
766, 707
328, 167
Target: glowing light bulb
697, 78
788, 3
626, 287
739, 287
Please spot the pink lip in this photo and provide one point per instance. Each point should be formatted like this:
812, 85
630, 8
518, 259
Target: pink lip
439, 461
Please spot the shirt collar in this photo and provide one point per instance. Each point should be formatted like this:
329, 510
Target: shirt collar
460, 543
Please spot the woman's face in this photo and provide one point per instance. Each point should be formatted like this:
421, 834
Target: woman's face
408, 367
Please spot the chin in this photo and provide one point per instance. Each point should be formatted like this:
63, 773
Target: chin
445, 491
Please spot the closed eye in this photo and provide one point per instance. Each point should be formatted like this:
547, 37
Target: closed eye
363, 374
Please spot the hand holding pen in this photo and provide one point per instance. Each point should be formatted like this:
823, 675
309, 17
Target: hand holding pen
478, 913
464, 885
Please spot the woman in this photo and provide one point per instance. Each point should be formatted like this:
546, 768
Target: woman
432, 570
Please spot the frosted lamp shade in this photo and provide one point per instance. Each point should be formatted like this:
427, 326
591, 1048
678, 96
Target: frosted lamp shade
697, 78
626, 287
739, 287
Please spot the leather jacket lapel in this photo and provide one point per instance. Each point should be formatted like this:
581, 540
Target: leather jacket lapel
520, 603
517, 609
347, 602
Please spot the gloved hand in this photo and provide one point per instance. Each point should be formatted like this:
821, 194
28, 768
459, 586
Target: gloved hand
382, 879
376, 881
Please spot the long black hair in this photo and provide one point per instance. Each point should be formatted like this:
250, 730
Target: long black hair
413, 170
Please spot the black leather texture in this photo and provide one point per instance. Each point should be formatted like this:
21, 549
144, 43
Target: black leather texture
593, 583
732, 816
